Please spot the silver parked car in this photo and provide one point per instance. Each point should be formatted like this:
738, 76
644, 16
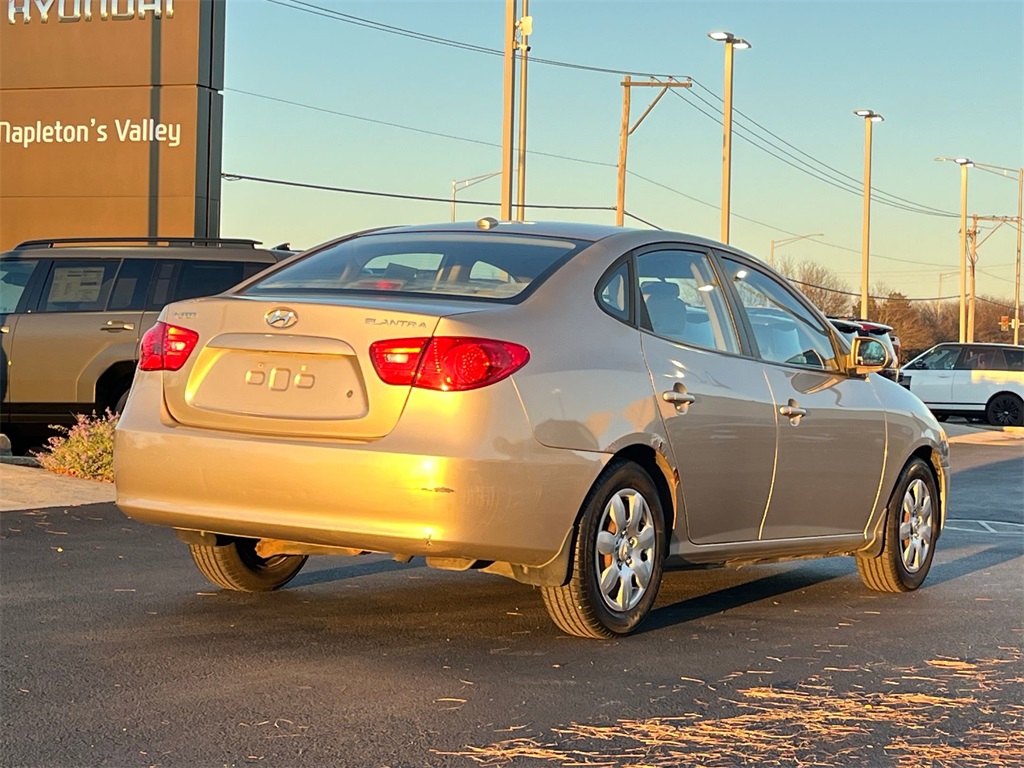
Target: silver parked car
577, 407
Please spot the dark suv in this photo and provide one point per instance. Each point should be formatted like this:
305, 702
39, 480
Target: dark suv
72, 312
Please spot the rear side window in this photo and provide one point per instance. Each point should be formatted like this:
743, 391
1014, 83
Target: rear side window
481, 265
14, 276
206, 278
1014, 359
78, 286
682, 299
132, 285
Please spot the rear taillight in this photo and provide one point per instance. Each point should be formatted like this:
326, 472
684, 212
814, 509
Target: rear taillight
166, 347
447, 363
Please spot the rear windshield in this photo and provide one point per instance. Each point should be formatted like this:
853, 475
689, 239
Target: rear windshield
481, 265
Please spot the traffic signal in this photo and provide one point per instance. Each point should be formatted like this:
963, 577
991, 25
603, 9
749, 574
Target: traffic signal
1004, 323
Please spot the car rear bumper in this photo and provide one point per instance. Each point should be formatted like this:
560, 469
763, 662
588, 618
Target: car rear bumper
399, 494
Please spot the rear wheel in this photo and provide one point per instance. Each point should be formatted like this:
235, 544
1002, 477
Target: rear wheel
236, 566
618, 556
1005, 410
910, 531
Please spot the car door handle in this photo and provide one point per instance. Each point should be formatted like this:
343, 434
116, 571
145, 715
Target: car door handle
793, 412
116, 326
680, 398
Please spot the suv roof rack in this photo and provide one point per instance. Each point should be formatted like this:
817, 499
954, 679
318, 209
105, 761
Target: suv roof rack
210, 242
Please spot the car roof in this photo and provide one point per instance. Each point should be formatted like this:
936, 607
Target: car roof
625, 238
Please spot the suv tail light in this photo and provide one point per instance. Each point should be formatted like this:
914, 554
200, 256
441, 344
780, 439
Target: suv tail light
166, 347
446, 363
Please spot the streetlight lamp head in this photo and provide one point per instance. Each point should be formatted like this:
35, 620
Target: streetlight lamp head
740, 44
868, 114
722, 37
963, 161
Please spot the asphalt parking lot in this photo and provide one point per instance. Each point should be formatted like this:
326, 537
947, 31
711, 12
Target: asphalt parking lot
115, 652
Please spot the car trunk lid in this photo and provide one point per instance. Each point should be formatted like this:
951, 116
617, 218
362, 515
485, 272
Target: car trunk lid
293, 368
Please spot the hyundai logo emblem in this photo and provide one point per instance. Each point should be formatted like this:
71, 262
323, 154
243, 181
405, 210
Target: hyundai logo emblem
281, 318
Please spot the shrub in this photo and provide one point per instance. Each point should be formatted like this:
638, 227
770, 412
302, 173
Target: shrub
85, 450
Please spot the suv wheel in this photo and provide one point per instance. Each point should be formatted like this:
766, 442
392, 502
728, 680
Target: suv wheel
1005, 410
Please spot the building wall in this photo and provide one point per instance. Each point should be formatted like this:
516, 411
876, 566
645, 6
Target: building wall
110, 118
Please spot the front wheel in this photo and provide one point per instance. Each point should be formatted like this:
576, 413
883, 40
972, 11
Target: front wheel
618, 556
236, 566
910, 531
1005, 410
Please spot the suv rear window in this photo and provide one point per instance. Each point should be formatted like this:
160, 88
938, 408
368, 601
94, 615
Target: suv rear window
471, 265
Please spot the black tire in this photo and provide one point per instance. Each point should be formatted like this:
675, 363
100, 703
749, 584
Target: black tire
910, 533
621, 535
1005, 409
236, 566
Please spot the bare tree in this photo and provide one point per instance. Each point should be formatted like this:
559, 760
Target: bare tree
821, 285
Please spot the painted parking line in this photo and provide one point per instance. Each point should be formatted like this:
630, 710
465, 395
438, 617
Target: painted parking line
990, 527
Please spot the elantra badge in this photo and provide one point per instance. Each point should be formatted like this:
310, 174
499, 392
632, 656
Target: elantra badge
281, 318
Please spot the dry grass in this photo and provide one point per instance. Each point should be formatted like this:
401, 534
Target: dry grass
956, 722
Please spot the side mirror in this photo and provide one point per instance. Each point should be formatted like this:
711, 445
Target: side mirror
867, 355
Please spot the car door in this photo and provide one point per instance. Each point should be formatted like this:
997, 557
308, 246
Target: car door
931, 374
979, 373
70, 339
832, 430
718, 412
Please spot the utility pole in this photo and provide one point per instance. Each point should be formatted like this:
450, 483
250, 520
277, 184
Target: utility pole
1016, 280
525, 27
620, 196
973, 234
975, 244
509, 110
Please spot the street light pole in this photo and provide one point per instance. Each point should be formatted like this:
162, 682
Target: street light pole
964, 164
870, 118
508, 111
469, 183
525, 27
787, 241
731, 42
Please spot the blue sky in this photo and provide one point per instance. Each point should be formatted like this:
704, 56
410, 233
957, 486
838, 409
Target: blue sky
947, 76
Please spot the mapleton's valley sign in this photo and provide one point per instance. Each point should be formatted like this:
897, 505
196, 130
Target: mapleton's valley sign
26, 11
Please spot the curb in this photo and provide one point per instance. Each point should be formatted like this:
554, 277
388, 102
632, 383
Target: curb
7, 458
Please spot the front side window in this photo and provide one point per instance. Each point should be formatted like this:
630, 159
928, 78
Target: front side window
14, 276
682, 299
484, 265
78, 286
784, 329
941, 359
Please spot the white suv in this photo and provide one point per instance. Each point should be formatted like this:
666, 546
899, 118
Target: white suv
973, 380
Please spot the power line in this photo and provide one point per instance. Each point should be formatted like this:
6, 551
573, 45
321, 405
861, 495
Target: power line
568, 158
874, 190
803, 166
877, 194
400, 196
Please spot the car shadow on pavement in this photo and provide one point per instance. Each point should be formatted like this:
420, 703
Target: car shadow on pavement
738, 595
356, 567
1011, 548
